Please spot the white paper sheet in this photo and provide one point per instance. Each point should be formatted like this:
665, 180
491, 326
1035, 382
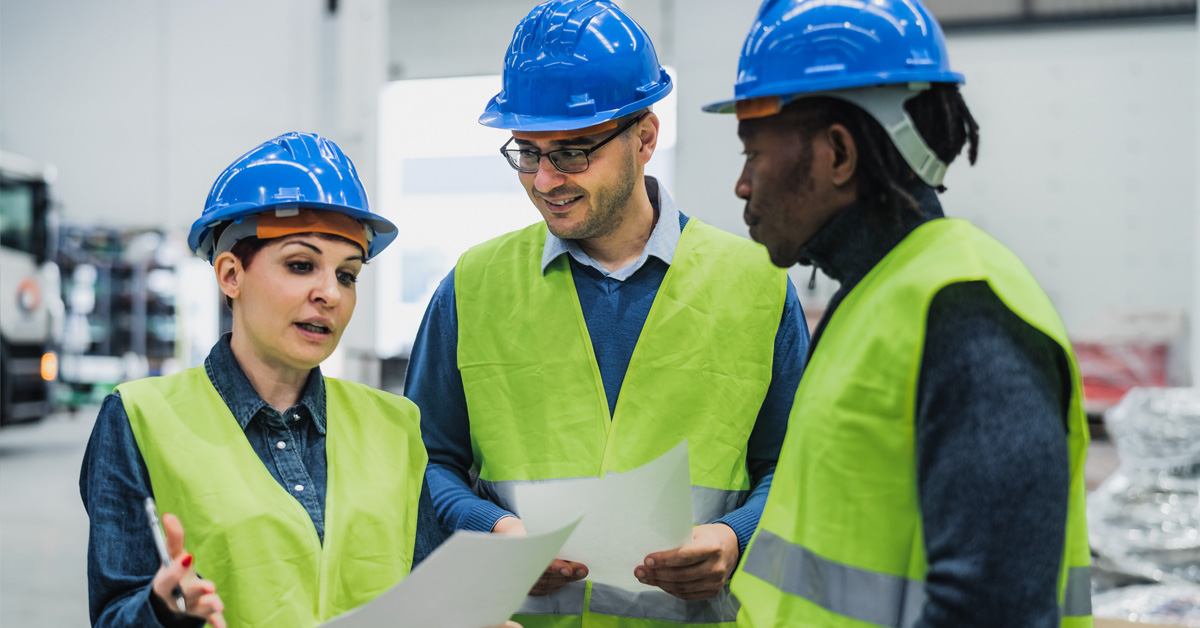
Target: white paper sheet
473, 580
625, 516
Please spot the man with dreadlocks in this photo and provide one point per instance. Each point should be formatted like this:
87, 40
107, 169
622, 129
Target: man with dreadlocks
932, 473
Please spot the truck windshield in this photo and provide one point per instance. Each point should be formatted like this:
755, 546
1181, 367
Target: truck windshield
21, 217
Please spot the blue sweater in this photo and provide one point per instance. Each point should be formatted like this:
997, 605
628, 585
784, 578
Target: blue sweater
615, 311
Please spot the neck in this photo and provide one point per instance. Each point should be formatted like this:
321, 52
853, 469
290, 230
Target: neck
625, 244
279, 385
860, 235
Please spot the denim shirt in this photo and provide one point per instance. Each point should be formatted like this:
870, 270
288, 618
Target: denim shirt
114, 482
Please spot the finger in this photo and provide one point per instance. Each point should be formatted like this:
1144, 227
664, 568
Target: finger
168, 578
701, 571
579, 571
546, 586
567, 569
217, 620
207, 606
195, 588
174, 530
682, 556
512, 624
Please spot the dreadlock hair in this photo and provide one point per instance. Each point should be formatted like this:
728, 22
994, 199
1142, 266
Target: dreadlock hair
940, 116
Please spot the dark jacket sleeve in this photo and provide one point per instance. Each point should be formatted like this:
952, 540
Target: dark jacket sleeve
121, 560
993, 471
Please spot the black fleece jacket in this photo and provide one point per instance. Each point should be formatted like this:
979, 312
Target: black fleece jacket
992, 468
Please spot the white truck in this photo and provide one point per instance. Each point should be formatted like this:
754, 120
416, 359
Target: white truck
31, 305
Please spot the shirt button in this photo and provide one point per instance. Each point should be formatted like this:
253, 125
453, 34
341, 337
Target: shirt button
299, 487
295, 417
281, 445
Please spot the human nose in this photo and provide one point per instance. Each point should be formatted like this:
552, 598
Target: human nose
547, 176
741, 189
328, 290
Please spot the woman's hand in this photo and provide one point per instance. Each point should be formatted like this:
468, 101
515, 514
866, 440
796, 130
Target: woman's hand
200, 594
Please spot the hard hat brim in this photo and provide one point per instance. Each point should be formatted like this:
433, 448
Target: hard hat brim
799, 88
493, 117
385, 230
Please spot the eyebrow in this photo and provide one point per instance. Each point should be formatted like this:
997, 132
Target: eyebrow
360, 258
571, 142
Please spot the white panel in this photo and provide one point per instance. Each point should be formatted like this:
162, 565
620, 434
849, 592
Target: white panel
448, 188
1081, 169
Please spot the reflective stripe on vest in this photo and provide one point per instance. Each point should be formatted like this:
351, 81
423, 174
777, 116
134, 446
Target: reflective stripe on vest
708, 504
536, 401
251, 537
876, 598
617, 602
840, 540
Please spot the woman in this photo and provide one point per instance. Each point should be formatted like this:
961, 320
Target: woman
302, 495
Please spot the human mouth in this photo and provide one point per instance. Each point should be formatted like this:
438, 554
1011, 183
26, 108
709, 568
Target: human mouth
561, 205
750, 219
315, 330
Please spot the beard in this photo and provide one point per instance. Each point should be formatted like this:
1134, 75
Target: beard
607, 205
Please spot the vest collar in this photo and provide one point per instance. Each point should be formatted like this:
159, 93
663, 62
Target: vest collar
244, 401
664, 238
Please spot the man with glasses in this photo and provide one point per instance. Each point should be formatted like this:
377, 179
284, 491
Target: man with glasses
600, 338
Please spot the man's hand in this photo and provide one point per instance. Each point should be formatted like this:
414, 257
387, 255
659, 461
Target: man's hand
559, 573
697, 570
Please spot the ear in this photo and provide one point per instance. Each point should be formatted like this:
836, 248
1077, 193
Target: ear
229, 274
845, 155
646, 136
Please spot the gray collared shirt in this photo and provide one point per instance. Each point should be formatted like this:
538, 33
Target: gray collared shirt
663, 239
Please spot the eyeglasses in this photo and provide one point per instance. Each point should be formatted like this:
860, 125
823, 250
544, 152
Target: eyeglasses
567, 160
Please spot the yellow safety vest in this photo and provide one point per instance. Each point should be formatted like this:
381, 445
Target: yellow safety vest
839, 544
248, 534
538, 411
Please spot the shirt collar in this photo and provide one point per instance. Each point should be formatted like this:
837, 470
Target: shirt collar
243, 400
664, 238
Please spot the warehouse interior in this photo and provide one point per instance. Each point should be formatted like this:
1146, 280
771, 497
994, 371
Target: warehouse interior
124, 112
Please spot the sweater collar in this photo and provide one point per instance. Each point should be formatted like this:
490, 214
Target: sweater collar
856, 238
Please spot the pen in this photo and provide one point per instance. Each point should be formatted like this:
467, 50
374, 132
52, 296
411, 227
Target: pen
160, 542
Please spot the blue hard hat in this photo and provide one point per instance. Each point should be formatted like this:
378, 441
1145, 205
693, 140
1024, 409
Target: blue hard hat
294, 170
802, 46
574, 64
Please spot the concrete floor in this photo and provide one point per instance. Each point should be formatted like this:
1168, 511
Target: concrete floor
44, 529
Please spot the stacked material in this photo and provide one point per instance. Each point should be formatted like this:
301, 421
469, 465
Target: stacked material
1144, 521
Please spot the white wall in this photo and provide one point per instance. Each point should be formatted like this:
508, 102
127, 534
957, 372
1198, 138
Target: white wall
1088, 158
1195, 328
1083, 170
141, 103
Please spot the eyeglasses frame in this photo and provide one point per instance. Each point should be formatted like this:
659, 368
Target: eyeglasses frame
587, 152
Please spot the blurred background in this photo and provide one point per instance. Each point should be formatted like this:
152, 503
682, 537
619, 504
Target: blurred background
117, 116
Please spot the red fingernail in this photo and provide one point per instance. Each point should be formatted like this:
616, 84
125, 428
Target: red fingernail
187, 561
